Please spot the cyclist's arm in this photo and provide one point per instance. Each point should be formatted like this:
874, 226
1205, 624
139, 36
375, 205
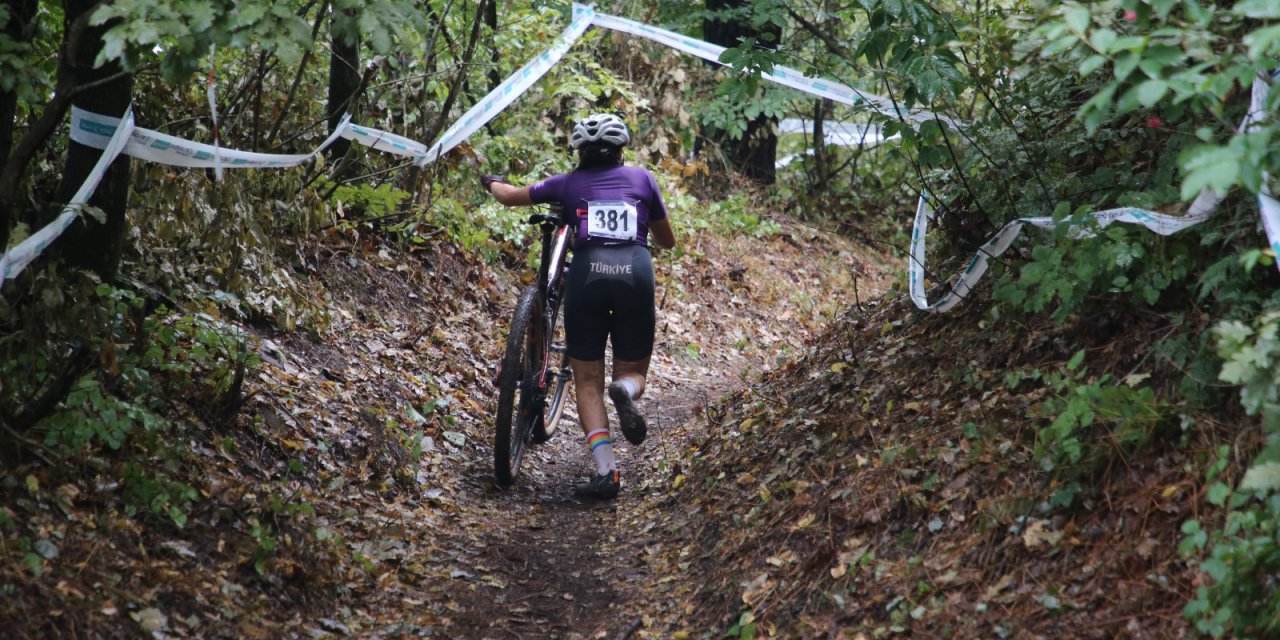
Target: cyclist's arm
663, 236
509, 195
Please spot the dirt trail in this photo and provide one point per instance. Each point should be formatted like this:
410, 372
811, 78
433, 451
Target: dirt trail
533, 561
545, 564
353, 497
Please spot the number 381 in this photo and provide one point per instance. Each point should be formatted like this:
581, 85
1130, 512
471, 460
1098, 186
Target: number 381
611, 219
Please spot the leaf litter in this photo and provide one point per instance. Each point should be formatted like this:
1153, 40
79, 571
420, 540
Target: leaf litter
353, 497
804, 478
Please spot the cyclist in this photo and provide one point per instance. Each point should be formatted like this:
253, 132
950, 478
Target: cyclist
610, 285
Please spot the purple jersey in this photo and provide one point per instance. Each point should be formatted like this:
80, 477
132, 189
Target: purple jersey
631, 187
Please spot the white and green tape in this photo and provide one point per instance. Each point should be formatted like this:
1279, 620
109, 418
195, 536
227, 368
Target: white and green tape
119, 135
94, 130
1162, 223
20, 255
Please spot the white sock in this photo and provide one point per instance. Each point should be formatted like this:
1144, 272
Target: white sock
629, 386
602, 450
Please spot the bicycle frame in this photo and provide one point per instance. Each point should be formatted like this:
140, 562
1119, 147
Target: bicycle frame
555, 244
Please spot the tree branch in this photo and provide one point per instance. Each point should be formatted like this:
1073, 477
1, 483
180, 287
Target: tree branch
35, 137
297, 78
47, 401
831, 43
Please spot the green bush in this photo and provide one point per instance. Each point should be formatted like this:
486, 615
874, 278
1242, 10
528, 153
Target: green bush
1092, 419
1243, 560
1119, 261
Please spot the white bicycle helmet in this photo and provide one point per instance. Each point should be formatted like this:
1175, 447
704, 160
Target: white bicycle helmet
601, 127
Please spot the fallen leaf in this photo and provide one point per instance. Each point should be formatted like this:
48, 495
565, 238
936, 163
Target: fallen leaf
804, 521
1036, 535
757, 589
150, 619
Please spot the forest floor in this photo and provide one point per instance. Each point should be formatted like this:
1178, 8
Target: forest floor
533, 561
823, 462
354, 495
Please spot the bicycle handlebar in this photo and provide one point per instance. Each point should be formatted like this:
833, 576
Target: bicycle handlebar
544, 218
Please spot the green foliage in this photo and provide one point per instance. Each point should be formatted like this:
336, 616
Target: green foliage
27, 68
737, 103
1251, 359
1165, 57
360, 200
1091, 419
156, 492
1063, 276
92, 417
736, 215
744, 628
182, 31
265, 545
489, 230
148, 360
1242, 598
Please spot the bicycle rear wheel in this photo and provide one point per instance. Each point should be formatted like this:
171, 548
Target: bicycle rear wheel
521, 364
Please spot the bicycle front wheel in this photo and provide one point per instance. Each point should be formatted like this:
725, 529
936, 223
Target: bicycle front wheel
520, 367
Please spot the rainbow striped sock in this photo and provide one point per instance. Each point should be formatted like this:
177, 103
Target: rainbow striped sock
602, 450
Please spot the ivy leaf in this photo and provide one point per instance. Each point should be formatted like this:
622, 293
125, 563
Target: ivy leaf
1102, 39
1218, 493
1262, 41
1232, 332
1091, 64
1074, 362
1235, 372
1126, 64
1150, 92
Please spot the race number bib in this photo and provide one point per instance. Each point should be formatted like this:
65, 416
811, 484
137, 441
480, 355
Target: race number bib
612, 219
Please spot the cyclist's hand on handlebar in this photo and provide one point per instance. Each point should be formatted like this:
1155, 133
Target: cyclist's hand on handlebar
487, 180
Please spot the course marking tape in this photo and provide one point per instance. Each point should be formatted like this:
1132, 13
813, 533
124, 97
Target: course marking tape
94, 130
513, 87
1164, 224
13, 261
785, 76
119, 135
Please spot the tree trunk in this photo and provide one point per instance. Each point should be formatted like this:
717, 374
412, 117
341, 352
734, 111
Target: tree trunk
20, 29
344, 79
491, 19
88, 243
755, 153
820, 161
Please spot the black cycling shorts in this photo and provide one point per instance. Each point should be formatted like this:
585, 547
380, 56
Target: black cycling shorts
609, 293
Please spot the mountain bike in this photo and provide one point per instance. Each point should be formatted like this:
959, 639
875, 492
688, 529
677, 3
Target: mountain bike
533, 378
